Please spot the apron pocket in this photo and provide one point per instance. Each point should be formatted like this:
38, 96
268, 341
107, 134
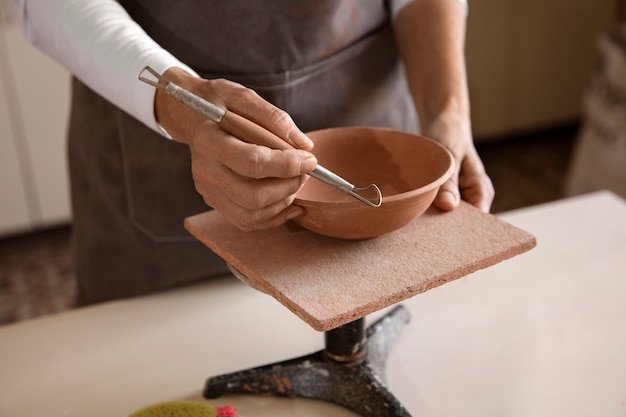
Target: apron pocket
159, 186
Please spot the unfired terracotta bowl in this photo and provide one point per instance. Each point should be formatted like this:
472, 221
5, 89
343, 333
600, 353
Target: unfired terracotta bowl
409, 169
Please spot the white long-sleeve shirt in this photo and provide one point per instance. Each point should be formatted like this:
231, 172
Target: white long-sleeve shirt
98, 42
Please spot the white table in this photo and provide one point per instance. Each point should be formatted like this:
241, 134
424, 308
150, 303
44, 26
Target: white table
542, 334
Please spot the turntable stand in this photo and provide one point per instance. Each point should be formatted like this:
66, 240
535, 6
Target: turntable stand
333, 284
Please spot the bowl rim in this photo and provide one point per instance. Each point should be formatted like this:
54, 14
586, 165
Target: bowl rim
354, 202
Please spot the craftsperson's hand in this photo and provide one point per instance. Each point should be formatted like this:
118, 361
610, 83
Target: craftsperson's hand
469, 182
253, 186
430, 35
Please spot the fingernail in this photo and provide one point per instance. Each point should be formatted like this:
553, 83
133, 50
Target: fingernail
308, 164
301, 140
447, 200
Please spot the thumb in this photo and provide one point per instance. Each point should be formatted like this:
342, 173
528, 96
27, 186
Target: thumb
448, 196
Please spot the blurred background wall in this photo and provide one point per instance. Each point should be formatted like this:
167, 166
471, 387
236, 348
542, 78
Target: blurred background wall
529, 61
34, 103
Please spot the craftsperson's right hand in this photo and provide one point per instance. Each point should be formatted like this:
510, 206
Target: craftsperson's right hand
252, 186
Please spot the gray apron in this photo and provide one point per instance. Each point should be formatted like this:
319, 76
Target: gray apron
326, 62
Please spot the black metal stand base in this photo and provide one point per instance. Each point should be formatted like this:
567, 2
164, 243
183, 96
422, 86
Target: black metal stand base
349, 372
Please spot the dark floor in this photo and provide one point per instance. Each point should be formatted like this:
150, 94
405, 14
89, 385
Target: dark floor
528, 169
36, 274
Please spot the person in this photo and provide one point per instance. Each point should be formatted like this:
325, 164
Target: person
140, 162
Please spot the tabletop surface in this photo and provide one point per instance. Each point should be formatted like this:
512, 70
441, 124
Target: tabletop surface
541, 334
329, 282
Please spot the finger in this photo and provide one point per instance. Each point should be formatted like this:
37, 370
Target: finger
265, 218
254, 161
281, 124
214, 178
247, 103
289, 213
243, 217
479, 192
448, 196
475, 185
263, 193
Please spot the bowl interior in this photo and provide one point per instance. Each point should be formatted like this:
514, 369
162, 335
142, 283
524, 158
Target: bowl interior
400, 163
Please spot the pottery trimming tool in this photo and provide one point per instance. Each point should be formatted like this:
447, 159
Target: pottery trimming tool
250, 132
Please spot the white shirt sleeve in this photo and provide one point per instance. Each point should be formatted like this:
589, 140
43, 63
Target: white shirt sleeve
98, 42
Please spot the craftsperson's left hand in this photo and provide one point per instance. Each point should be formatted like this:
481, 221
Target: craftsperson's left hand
430, 35
470, 181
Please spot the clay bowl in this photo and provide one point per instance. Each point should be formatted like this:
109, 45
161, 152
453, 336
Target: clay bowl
409, 169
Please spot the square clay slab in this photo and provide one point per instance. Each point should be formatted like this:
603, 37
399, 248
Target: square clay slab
329, 282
